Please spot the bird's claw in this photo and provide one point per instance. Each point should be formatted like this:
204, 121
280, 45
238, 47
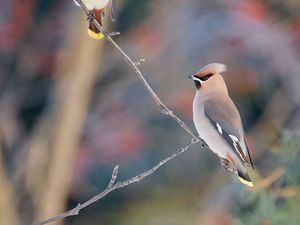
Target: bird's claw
226, 165
90, 17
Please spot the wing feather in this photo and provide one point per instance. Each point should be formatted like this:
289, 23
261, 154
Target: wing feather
226, 120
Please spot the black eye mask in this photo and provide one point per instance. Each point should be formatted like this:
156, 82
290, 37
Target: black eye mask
206, 77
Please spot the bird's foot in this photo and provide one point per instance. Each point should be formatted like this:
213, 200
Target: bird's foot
226, 165
90, 17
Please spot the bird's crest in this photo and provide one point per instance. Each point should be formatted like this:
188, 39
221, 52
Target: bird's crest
212, 69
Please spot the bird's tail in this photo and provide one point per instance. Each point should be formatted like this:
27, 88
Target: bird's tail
93, 30
244, 177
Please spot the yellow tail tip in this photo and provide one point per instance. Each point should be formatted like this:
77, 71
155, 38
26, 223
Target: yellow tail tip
248, 183
94, 35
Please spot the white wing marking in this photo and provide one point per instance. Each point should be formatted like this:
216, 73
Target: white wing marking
235, 141
234, 138
219, 128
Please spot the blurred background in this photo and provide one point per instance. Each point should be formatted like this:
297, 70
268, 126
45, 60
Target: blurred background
71, 109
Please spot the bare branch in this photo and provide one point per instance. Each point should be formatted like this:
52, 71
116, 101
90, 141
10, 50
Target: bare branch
164, 109
111, 187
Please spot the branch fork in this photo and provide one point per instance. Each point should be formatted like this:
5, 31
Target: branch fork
113, 177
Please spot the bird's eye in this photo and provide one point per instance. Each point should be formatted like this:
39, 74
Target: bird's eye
206, 77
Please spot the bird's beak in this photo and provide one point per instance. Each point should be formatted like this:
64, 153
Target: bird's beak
191, 76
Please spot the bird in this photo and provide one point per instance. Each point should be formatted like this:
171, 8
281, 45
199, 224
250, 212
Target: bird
96, 9
218, 122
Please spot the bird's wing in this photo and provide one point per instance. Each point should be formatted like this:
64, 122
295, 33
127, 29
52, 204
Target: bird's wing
113, 7
226, 120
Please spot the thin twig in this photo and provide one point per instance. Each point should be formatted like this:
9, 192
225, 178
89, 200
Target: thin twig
110, 188
140, 62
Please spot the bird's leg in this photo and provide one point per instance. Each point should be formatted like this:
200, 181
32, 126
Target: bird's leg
226, 165
91, 16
